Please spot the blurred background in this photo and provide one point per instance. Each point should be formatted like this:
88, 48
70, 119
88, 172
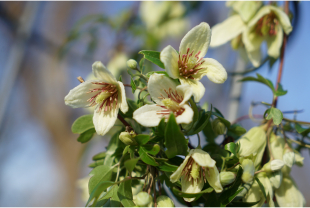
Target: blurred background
46, 45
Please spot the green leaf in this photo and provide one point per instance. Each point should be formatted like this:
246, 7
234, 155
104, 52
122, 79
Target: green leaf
195, 109
111, 194
229, 194
301, 130
125, 194
97, 191
86, 136
191, 195
231, 147
166, 167
96, 163
260, 79
275, 114
99, 174
224, 121
242, 204
99, 156
218, 112
152, 149
174, 139
280, 91
153, 56
120, 78
272, 61
141, 63
133, 85
130, 164
261, 187
202, 123
145, 157
142, 139
83, 124
237, 129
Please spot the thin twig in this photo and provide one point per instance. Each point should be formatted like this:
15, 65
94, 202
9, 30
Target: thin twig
247, 117
259, 171
294, 121
127, 125
300, 143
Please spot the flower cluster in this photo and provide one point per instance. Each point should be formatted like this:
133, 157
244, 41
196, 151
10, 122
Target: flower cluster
153, 146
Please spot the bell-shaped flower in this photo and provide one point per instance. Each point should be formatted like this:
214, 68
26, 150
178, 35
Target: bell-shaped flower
196, 167
189, 65
273, 165
267, 25
276, 178
252, 144
169, 98
288, 194
255, 193
105, 93
289, 158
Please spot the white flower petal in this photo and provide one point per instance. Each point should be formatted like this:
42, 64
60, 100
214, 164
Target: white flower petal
157, 85
148, 115
255, 194
283, 18
197, 39
255, 57
202, 158
177, 174
246, 9
288, 195
276, 179
122, 97
187, 116
275, 43
213, 70
227, 30
268, 188
251, 40
102, 73
185, 91
104, 120
191, 187
262, 12
197, 88
170, 58
78, 96
213, 178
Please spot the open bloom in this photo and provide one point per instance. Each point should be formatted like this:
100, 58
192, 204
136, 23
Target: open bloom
267, 25
106, 93
169, 98
196, 167
188, 65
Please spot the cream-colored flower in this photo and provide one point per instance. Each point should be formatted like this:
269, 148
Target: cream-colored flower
196, 167
267, 25
189, 65
164, 19
288, 194
169, 98
227, 177
252, 144
248, 170
106, 93
255, 193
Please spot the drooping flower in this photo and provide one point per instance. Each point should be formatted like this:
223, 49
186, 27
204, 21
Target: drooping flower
255, 193
252, 144
106, 93
267, 25
196, 167
169, 98
288, 194
246, 9
189, 65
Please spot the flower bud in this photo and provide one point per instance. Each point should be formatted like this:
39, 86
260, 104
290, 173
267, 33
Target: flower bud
164, 201
218, 126
132, 64
248, 170
143, 199
276, 179
227, 178
128, 138
289, 159
273, 165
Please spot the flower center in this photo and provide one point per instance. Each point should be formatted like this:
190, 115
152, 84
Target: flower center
266, 26
171, 104
106, 96
192, 171
189, 64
